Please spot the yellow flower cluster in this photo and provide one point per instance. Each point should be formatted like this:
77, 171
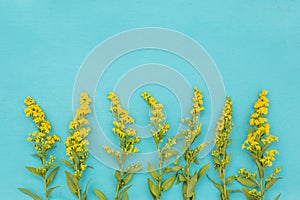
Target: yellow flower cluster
246, 174
126, 135
41, 139
197, 102
272, 176
76, 143
255, 194
194, 128
158, 118
268, 158
224, 127
259, 136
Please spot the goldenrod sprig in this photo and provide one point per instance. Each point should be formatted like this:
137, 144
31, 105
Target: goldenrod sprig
160, 128
128, 139
191, 133
220, 155
42, 142
258, 143
76, 148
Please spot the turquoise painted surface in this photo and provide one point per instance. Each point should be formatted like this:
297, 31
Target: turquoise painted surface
42, 45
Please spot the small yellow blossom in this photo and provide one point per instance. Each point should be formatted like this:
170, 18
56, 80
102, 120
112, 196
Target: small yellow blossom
257, 143
76, 143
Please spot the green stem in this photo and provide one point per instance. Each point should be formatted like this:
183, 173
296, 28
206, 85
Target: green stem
261, 189
44, 178
224, 186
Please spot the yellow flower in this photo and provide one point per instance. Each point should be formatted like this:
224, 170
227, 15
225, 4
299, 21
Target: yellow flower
41, 139
76, 143
257, 143
224, 127
126, 134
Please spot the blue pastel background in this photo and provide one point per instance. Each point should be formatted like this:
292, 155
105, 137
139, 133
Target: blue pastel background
255, 45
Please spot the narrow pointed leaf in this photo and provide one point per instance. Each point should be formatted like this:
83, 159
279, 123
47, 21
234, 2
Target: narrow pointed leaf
278, 196
117, 175
67, 163
52, 166
72, 183
230, 179
271, 183
100, 194
48, 192
172, 169
168, 183
127, 178
153, 173
125, 196
124, 191
217, 185
35, 197
203, 170
153, 188
246, 182
51, 176
85, 190
33, 171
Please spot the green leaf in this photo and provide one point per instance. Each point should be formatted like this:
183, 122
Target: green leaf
85, 190
33, 171
48, 192
217, 185
168, 183
52, 166
180, 178
203, 170
35, 197
100, 194
170, 151
37, 156
172, 169
230, 179
67, 163
277, 197
153, 173
72, 183
124, 191
51, 176
127, 178
118, 175
232, 191
271, 183
247, 195
125, 196
191, 185
246, 182
153, 188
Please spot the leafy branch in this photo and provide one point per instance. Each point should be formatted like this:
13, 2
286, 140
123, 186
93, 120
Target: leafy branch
42, 142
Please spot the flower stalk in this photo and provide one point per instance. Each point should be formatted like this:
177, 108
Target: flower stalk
127, 140
42, 142
165, 151
258, 145
220, 155
190, 134
77, 148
